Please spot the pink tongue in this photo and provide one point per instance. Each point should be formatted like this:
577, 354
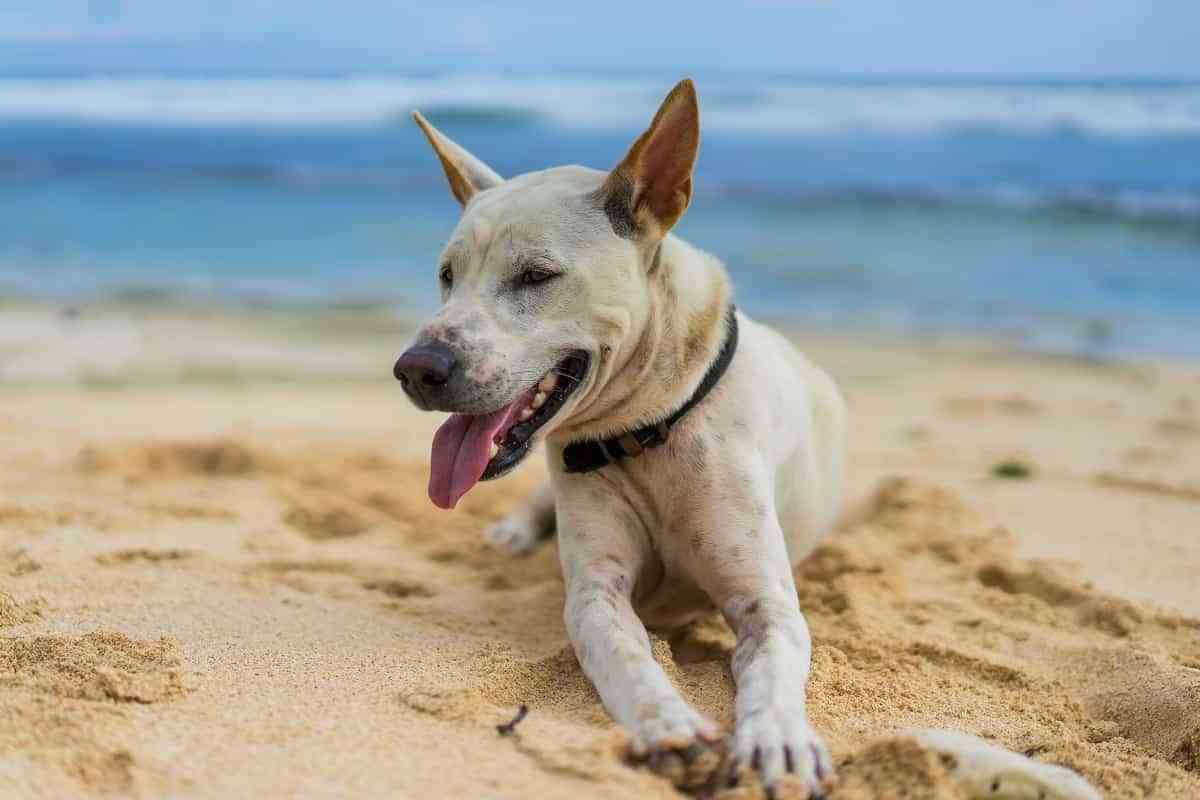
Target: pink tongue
461, 450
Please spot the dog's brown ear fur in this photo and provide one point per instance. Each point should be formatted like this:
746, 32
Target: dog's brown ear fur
647, 193
467, 174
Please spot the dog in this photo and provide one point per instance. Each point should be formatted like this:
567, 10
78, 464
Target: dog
694, 454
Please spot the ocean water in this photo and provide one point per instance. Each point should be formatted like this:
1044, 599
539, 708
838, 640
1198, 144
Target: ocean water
1053, 215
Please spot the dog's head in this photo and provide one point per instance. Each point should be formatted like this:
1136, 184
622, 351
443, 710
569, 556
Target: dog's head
542, 281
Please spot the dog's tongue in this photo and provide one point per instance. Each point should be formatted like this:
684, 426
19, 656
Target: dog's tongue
461, 450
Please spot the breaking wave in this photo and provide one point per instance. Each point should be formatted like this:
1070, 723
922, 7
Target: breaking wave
767, 106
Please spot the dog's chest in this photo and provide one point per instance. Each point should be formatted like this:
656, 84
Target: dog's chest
674, 602
674, 491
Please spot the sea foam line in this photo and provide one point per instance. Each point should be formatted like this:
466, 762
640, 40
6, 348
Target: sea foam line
773, 106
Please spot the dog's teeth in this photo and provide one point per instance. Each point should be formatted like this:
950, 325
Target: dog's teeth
495, 450
538, 399
548, 383
526, 413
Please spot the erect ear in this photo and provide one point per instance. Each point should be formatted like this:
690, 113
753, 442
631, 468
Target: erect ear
649, 190
467, 174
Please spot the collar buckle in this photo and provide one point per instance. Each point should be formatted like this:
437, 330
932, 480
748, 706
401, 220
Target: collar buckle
636, 442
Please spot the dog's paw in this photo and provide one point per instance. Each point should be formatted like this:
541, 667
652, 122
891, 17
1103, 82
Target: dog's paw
988, 771
777, 743
514, 535
677, 742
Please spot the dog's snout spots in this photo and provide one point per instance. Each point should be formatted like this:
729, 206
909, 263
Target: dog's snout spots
486, 364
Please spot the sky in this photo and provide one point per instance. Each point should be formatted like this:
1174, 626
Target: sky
1009, 38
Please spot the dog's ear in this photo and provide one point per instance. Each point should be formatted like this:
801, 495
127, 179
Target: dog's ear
649, 190
467, 174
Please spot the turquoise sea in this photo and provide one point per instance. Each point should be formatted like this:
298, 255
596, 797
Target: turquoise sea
1058, 216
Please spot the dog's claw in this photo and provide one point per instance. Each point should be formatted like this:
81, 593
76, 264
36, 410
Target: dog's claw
821, 762
779, 744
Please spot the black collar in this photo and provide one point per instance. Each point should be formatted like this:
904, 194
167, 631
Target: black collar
591, 455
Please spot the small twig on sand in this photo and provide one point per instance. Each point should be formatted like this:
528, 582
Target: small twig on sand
509, 727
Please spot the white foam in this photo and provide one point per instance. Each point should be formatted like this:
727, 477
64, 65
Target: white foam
766, 106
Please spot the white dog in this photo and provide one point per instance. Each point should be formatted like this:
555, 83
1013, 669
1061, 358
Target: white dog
571, 314
694, 455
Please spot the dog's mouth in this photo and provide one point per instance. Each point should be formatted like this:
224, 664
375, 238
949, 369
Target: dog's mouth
510, 445
469, 448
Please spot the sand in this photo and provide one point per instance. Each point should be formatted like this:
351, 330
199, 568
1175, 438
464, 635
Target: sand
220, 577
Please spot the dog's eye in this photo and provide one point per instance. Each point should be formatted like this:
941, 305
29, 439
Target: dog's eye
446, 276
534, 276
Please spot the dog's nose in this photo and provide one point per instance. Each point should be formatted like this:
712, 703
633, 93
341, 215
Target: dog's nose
431, 364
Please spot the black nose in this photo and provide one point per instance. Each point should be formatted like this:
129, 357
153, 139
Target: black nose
431, 364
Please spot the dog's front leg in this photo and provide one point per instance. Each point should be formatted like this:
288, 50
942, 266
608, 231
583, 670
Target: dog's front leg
770, 668
603, 559
747, 574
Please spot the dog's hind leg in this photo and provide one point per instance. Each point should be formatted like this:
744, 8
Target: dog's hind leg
530, 524
989, 772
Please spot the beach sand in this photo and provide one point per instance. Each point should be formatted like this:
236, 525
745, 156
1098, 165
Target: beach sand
220, 575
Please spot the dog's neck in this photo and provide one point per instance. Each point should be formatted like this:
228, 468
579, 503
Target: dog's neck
667, 349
